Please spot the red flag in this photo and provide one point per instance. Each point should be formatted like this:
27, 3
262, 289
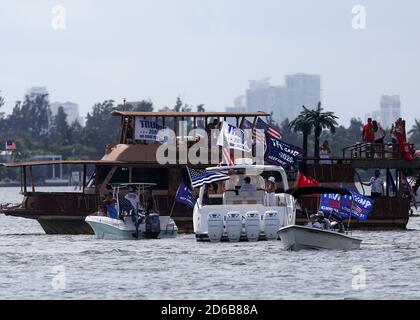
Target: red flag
304, 181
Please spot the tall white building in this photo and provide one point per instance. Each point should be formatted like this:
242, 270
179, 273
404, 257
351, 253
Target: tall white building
302, 90
284, 101
390, 110
70, 108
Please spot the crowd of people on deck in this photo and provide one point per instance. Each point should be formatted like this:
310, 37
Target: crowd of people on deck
374, 134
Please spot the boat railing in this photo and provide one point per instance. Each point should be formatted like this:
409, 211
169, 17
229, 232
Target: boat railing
368, 150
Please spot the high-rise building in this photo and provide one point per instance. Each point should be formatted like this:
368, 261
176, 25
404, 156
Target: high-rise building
70, 108
37, 91
390, 110
302, 90
284, 101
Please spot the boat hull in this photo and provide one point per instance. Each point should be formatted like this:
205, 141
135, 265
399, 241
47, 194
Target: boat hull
296, 238
114, 229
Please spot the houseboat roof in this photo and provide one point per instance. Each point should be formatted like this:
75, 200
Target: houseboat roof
52, 162
189, 114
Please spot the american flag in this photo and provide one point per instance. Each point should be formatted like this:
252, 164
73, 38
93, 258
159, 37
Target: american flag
200, 177
257, 135
358, 209
227, 158
10, 145
268, 129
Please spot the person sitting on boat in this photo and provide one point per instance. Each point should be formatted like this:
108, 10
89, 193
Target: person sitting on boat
312, 220
322, 222
111, 209
101, 212
271, 192
248, 186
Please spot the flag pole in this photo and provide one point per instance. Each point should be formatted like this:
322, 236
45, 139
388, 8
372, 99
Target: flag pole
173, 205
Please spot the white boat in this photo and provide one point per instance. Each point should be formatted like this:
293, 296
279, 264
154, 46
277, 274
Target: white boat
294, 237
133, 223
300, 237
234, 215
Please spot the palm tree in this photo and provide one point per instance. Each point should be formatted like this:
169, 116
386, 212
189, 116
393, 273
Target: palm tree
301, 124
415, 132
320, 120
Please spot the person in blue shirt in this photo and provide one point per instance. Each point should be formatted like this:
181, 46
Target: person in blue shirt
111, 208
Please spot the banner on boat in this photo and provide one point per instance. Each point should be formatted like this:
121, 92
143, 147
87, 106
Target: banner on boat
148, 130
357, 205
329, 202
233, 137
280, 153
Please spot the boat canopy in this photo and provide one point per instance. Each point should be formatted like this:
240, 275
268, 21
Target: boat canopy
134, 184
304, 191
250, 168
175, 114
53, 162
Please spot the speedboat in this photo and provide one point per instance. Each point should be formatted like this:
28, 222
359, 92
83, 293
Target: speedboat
232, 214
295, 237
132, 223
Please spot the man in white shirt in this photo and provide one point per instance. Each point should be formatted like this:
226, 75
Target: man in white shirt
134, 199
377, 185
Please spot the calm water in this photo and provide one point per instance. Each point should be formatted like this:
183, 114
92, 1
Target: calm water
38, 266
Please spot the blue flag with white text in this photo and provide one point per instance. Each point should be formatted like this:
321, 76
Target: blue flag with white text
356, 205
280, 153
184, 195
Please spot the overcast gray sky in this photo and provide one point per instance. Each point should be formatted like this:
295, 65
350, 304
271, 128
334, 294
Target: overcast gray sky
206, 50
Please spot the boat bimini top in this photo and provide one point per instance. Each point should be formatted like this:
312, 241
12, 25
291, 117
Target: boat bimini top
305, 191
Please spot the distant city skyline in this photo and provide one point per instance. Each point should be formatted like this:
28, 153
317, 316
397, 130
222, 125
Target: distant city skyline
285, 100
205, 52
389, 110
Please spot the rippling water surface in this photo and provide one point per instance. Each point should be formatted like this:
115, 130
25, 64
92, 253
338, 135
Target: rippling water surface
38, 266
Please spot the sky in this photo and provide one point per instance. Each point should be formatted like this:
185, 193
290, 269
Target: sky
206, 51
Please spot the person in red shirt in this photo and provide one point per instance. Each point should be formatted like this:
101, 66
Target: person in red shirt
368, 134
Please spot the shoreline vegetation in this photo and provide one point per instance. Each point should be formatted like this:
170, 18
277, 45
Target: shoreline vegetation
36, 132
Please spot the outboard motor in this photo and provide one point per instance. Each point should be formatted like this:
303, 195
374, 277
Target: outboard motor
271, 224
152, 226
215, 226
252, 225
234, 226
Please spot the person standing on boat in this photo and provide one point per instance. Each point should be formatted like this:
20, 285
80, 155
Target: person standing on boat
325, 153
111, 209
368, 134
271, 192
377, 185
134, 199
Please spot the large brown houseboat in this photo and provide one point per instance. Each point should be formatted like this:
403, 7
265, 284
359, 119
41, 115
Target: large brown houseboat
134, 160
130, 161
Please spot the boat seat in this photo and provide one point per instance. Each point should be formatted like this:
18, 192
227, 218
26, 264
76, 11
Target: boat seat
244, 197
